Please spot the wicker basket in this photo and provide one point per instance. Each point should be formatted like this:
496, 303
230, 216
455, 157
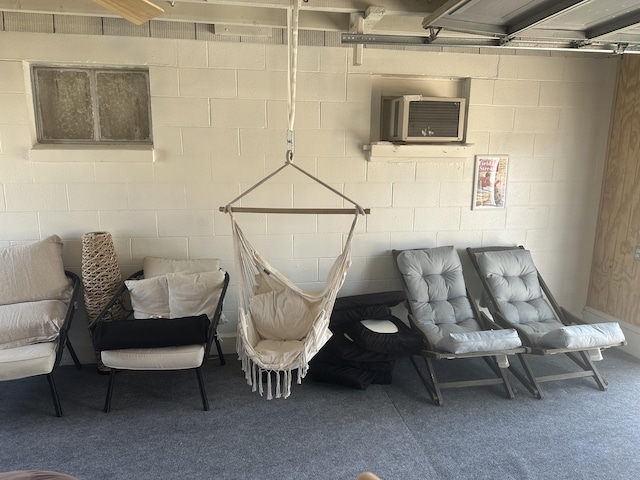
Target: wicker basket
101, 275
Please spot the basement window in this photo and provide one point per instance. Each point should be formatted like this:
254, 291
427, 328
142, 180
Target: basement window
92, 106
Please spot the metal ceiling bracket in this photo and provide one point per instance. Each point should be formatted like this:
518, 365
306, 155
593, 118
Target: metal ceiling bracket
433, 33
620, 48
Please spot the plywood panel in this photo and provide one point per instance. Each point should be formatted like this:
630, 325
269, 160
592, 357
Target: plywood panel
615, 277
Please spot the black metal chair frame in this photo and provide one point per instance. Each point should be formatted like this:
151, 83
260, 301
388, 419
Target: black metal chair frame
64, 341
119, 308
578, 356
431, 382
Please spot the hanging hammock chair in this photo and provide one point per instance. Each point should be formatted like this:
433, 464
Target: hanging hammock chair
280, 326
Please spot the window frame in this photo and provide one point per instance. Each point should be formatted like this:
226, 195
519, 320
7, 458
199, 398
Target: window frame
93, 91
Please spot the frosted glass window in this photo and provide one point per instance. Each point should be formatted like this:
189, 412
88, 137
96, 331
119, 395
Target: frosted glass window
75, 105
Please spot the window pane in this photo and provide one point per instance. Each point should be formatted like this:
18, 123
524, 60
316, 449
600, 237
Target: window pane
64, 98
123, 105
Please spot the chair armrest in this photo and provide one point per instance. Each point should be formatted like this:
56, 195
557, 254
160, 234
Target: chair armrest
213, 326
116, 309
71, 310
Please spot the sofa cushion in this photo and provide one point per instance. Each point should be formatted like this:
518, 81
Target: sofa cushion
30, 322
154, 266
33, 272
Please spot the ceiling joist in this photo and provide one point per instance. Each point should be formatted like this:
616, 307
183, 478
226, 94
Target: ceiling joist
590, 25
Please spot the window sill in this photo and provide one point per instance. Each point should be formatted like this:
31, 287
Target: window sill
383, 151
92, 153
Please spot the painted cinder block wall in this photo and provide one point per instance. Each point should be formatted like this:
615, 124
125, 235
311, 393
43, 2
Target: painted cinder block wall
219, 115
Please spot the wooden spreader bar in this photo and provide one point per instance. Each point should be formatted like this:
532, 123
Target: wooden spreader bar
313, 211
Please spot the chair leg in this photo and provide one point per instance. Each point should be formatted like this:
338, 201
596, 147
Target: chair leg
203, 393
107, 402
530, 382
431, 384
54, 394
72, 352
502, 374
587, 365
219, 347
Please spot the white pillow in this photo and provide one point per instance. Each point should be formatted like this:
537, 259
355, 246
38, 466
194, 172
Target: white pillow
195, 293
149, 297
31, 322
155, 266
280, 315
33, 272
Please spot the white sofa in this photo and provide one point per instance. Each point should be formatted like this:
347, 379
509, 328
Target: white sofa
38, 299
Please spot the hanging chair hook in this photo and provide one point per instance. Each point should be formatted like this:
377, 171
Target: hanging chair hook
289, 154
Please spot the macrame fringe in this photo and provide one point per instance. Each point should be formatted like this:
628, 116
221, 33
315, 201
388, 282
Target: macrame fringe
254, 375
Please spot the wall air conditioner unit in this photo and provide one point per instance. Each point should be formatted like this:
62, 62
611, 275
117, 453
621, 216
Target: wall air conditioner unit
415, 118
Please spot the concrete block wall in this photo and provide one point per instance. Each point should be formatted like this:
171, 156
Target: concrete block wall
219, 116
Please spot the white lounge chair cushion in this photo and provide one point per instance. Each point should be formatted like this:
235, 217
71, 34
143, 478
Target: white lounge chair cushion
588, 336
30, 322
36, 272
280, 315
165, 358
193, 294
481, 341
155, 266
27, 361
176, 295
149, 297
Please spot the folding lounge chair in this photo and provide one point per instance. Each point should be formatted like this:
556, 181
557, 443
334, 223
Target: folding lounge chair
518, 298
452, 326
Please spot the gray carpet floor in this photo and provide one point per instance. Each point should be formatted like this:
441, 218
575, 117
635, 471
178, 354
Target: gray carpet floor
157, 429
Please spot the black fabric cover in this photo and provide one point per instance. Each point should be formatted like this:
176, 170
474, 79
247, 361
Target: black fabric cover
345, 375
151, 333
351, 309
404, 342
390, 299
341, 350
368, 357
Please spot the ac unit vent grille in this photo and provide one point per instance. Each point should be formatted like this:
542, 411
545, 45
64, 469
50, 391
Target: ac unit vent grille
433, 119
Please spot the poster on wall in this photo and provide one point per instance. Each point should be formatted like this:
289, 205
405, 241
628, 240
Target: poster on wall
490, 187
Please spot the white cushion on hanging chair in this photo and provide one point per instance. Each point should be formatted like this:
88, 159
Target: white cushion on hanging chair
278, 352
281, 315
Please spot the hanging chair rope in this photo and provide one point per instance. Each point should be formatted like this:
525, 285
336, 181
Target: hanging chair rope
293, 16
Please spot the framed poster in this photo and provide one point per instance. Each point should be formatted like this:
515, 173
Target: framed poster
490, 186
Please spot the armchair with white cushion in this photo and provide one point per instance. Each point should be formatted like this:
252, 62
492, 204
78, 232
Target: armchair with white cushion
164, 317
38, 299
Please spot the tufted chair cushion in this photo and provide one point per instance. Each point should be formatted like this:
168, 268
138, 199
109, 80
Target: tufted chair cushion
437, 291
513, 277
